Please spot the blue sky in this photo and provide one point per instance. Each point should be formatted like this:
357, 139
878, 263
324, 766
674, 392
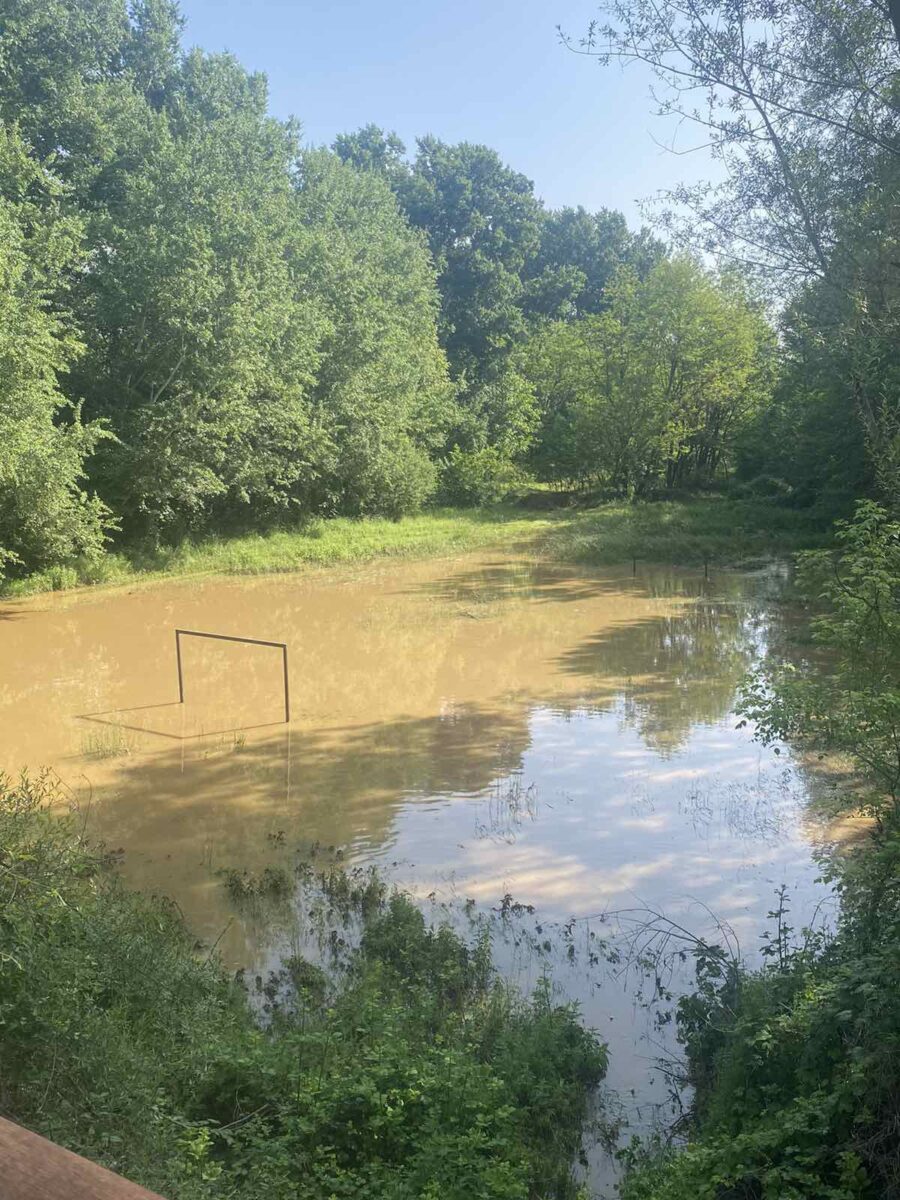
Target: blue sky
489, 71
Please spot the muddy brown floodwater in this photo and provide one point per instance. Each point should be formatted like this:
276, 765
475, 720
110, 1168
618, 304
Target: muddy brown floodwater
478, 726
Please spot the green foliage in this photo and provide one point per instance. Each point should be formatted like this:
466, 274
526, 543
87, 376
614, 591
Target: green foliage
480, 476
413, 1073
796, 1066
482, 222
578, 257
505, 264
835, 428
200, 349
46, 515
256, 326
851, 702
801, 106
652, 392
381, 396
492, 434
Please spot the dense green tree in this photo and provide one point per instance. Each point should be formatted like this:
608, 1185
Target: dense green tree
652, 391
79, 77
201, 346
482, 221
371, 149
578, 255
382, 393
504, 261
46, 515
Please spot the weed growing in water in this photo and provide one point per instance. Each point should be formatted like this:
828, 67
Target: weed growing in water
108, 742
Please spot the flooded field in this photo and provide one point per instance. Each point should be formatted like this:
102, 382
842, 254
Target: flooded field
480, 727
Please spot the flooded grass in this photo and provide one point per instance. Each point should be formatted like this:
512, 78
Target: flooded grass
110, 742
720, 531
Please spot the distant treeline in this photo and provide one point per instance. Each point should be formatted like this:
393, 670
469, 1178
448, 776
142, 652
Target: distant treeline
206, 327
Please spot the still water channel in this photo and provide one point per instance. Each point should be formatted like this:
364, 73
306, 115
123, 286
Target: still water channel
478, 726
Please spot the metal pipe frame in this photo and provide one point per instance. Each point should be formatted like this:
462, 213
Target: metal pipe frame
227, 637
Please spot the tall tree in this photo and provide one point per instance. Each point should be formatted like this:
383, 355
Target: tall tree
200, 346
578, 255
799, 102
46, 514
78, 77
382, 392
482, 222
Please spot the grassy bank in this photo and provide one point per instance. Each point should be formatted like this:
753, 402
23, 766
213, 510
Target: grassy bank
316, 543
728, 532
406, 1071
683, 532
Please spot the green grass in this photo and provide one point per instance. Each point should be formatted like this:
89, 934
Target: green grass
683, 533
317, 543
732, 532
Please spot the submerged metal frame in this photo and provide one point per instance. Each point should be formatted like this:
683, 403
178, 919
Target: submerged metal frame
227, 637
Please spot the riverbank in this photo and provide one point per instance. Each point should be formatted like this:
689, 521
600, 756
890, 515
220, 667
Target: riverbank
795, 1064
726, 532
400, 1065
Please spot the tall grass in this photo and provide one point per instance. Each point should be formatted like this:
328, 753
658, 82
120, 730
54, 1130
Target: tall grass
316, 543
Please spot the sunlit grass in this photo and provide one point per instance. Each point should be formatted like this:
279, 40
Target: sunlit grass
678, 532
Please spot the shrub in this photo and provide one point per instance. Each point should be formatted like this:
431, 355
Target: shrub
796, 1066
482, 476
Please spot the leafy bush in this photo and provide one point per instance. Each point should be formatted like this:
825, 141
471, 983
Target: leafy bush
797, 1065
765, 487
412, 1074
483, 476
850, 702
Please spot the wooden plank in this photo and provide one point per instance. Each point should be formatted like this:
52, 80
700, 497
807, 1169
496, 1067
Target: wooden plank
31, 1168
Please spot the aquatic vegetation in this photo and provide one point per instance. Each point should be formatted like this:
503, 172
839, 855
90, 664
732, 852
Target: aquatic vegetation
110, 742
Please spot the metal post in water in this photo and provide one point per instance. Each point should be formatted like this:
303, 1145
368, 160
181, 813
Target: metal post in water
178, 660
287, 694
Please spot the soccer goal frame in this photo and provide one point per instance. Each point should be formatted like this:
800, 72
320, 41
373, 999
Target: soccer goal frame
227, 637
